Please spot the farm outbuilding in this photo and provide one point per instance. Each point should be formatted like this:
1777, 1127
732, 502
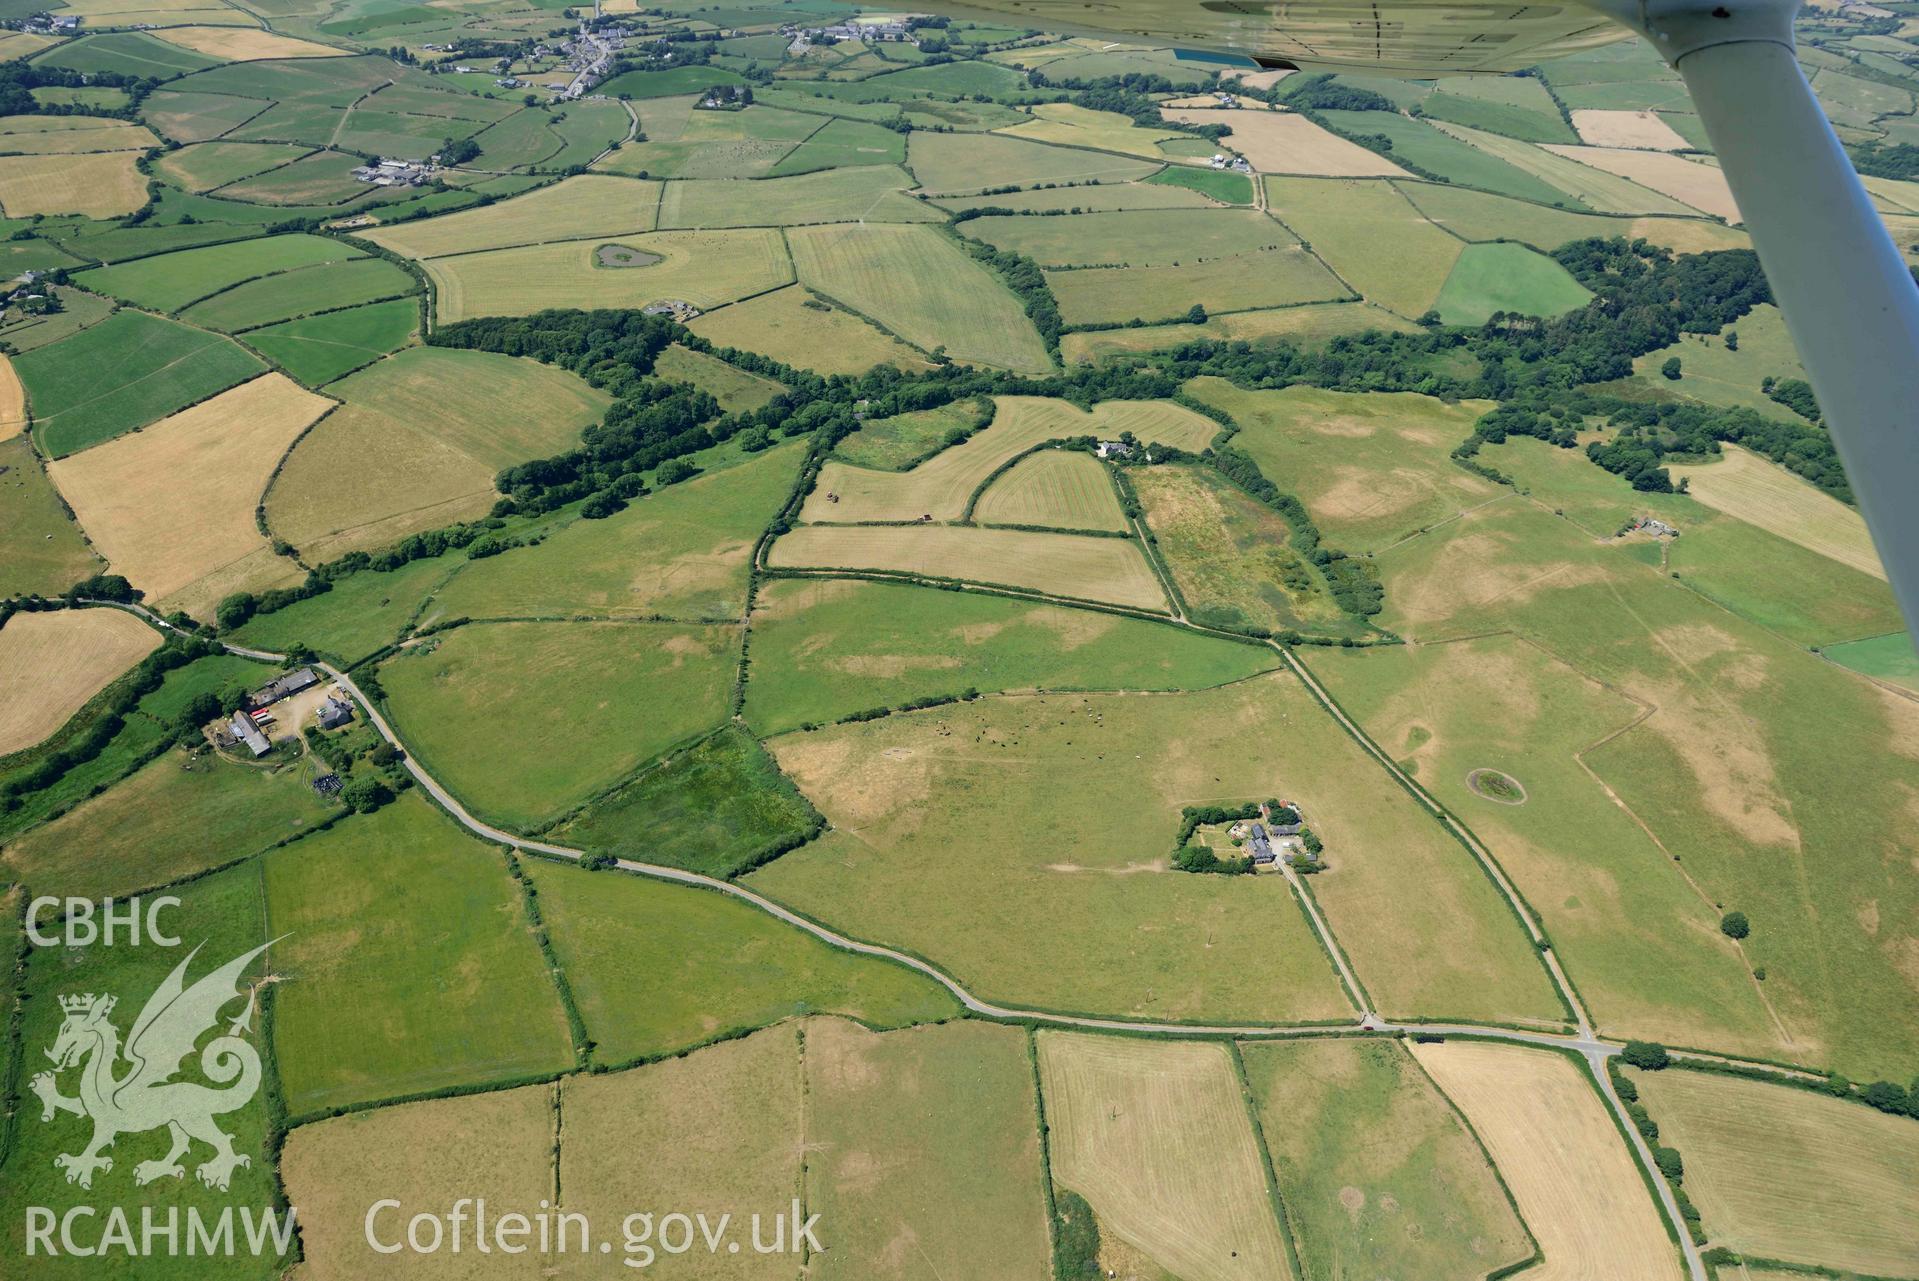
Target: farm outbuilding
247, 732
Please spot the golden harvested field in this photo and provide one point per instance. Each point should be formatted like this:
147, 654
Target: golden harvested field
705, 268
941, 486
1155, 1135
1643, 130
425, 1154
794, 326
13, 402
1080, 566
171, 507
923, 1152
1578, 1187
1065, 489
417, 445
578, 207
52, 663
102, 185
717, 1132
1281, 142
242, 44
1688, 181
1786, 1174
1762, 493
17, 46
72, 135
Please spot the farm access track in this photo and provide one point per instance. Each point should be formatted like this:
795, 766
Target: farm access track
1584, 1042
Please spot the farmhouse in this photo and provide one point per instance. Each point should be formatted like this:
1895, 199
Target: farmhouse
281, 687
1261, 846
245, 731
1114, 449
1651, 525
335, 712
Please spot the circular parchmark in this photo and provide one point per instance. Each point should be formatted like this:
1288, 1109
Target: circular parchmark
1496, 786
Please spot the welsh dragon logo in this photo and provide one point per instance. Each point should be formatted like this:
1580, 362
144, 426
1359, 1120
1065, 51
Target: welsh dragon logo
130, 1089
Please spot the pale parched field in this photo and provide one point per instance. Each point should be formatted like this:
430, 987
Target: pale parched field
13, 402
575, 208
923, 1152
1578, 1187
1307, 326
1281, 142
431, 1153
705, 268
921, 286
941, 486
1081, 566
243, 44
718, 1132
102, 185
1688, 181
171, 507
1109, 926
1065, 489
1243, 282
1760, 492
1155, 1135
1787, 1174
52, 663
1639, 130
1561, 166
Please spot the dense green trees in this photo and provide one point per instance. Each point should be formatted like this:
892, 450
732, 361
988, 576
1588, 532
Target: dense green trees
1648, 1056
1734, 925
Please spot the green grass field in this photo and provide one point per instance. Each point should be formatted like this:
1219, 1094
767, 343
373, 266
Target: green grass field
1371, 467
921, 286
407, 961
1424, 928
577, 208
680, 553
1274, 278
305, 292
222, 914
1141, 238
903, 440
1711, 373
843, 144
125, 372
931, 1136
1224, 186
870, 193
527, 720
204, 166
797, 327
719, 807
1231, 557
1505, 277
362, 612
1889, 658
1368, 234
168, 282
1379, 1174
1059, 489
735, 389
1517, 105
318, 349
180, 815
822, 650
41, 549
1458, 162
659, 968
961, 163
